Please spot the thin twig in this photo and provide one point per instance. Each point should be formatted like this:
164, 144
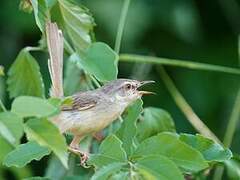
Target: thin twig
185, 107
177, 63
121, 25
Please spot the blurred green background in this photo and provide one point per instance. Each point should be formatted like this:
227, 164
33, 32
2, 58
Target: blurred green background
203, 31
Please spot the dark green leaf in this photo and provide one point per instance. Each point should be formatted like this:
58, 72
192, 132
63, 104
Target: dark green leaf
210, 150
25, 153
26, 106
79, 24
106, 172
47, 134
109, 151
127, 132
154, 121
40, 13
24, 77
169, 145
99, 56
158, 167
11, 127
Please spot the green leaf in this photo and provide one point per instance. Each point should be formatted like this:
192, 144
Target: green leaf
47, 134
26, 106
109, 151
154, 121
99, 56
158, 167
106, 172
25, 153
1, 71
233, 168
40, 13
24, 77
5, 148
79, 24
37, 178
169, 145
74, 80
210, 150
11, 127
127, 132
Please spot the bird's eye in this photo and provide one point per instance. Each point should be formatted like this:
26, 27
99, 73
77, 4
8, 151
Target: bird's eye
128, 86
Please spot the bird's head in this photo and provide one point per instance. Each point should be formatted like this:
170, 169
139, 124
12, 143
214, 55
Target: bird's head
125, 90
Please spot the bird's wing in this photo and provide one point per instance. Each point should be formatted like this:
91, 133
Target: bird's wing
81, 101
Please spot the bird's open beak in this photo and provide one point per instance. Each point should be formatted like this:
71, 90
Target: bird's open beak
145, 92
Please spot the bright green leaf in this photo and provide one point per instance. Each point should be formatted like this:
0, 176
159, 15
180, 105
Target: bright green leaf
1, 71
210, 150
109, 151
26, 106
106, 172
100, 61
11, 127
169, 145
158, 167
154, 121
79, 24
24, 77
25, 153
40, 13
47, 134
127, 132
5, 148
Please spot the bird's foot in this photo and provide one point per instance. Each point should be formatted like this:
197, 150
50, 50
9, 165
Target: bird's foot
83, 155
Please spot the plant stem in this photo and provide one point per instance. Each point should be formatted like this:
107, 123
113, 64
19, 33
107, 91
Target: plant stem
178, 63
2, 106
121, 26
185, 107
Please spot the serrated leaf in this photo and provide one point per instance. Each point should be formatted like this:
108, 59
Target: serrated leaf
210, 150
47, 134
40, 13
154, 121
106, 172
27, 106
99, 56
127, 131
158, 167
109, 151
24, 77
169, 145
25, 153
11, 127
79, 24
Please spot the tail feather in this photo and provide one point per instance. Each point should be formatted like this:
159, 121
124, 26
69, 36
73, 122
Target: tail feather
55, 63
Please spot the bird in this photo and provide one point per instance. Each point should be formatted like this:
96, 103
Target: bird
91, 111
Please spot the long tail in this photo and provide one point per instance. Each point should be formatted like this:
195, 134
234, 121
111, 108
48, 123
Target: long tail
55, 63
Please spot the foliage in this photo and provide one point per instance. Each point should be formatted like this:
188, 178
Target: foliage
145, 146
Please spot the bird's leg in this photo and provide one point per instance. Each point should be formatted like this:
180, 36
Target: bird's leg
74, 148
98, 136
